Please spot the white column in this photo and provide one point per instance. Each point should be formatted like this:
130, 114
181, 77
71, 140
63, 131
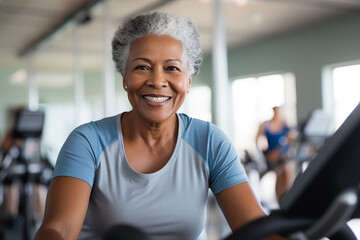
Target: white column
220, 87
33, 89
79, 87
108, 67
221, 103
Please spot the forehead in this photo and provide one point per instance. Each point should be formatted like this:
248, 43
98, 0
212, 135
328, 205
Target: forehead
156, 46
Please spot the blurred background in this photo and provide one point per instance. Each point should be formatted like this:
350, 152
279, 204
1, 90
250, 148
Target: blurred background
55, 56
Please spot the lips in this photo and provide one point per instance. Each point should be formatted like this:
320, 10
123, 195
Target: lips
156, 99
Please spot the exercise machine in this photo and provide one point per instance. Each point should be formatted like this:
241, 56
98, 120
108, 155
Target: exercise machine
323, 198
23, 163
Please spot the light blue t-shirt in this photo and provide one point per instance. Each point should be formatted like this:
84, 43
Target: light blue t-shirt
168, 204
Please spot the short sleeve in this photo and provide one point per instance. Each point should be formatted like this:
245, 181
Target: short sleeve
77, 157
224, 163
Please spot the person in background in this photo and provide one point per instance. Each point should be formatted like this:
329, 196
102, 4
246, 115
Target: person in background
151, 167
274, 138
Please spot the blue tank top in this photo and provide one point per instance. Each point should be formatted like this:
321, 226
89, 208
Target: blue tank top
276, 139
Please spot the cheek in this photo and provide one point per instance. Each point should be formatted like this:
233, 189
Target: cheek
134, 84
181, 85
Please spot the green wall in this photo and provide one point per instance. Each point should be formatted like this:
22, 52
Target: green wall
303, 53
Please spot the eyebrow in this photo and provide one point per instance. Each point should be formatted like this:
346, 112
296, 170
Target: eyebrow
149, 61
141, 59
173, 60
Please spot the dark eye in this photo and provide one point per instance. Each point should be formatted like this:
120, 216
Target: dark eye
172, 68
142, 67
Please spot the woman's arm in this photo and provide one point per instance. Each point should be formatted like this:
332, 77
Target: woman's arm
65, 210
260, 138
239, 205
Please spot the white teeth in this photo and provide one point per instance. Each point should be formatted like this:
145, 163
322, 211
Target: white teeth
156, 99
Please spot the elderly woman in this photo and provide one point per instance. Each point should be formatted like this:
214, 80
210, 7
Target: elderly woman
151, 167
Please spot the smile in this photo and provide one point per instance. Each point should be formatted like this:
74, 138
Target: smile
156, 99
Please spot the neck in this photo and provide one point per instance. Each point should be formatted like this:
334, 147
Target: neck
135, 128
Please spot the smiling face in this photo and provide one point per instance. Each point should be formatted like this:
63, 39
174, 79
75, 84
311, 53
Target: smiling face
156, 77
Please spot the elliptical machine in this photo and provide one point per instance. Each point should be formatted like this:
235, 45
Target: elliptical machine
23, 163
323, 198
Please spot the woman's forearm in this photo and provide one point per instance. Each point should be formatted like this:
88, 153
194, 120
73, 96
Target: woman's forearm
46, 233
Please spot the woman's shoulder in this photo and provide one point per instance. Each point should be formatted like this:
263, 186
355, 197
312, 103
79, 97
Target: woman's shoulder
201, 129
99, 124
102, 128
190, 123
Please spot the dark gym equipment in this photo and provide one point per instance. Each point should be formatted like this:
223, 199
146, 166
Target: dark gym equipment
125, 232
20, 165
323, 198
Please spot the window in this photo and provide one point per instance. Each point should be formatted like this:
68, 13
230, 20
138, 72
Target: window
346, 85
253, 100
56, 127
198, 103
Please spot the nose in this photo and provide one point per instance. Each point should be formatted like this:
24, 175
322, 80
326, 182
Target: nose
157, 78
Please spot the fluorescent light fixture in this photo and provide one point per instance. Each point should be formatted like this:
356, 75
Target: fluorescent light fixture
48, 79
241, 3
18, 77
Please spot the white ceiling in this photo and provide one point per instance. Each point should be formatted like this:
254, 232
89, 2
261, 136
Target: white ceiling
26, 22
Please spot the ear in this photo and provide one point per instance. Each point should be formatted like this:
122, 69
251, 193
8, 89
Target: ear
124, 82
189, 84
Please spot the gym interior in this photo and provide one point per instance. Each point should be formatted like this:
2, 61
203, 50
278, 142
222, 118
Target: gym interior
56, 69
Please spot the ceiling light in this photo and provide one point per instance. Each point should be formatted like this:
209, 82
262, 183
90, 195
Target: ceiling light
241, 3
18, 77
43, 79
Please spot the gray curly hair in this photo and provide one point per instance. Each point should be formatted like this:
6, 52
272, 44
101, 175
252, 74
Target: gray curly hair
158, 23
